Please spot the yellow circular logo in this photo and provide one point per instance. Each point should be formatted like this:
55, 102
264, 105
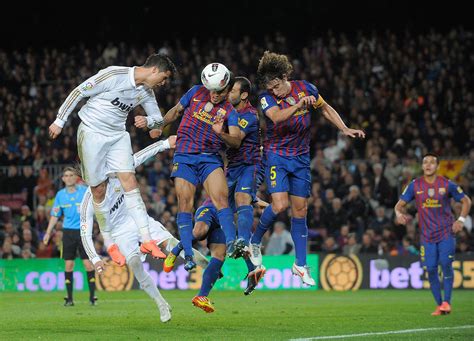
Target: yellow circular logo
115, 278
341, 273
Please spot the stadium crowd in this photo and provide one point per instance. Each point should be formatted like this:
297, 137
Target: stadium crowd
411, 93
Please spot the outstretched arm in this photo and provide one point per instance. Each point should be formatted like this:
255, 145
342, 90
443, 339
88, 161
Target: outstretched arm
331, 115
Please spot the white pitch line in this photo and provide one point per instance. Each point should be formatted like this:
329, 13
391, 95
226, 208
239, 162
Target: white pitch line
404, 331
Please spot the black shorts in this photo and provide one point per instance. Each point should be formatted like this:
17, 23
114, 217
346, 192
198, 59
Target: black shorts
72, 244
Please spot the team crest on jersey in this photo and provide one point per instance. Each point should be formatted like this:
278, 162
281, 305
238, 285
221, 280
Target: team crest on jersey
301, 95
459, 189
290, 100
431, 192
87, 86
243, 123
221, 113
117, 189
175, 167
208, 107
263, 103
442, 191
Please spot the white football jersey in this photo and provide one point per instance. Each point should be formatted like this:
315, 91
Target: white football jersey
112, 95
119, 219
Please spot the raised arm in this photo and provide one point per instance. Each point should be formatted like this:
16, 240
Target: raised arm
331, 115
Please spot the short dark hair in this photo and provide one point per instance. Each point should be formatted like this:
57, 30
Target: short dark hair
272, 66
161, 61
245, 84
433, 155
71, 169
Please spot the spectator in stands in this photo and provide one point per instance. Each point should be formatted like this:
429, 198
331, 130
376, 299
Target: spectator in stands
29, 181
367, 246
352, 247
44, 184
335, 218
280, 242
330, 245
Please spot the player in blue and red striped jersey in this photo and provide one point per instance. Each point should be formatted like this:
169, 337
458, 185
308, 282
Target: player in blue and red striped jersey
286, 105
244, 167
201, 136
432, 195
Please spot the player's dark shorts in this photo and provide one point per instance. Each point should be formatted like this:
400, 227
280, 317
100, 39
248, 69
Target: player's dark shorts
244, 178
72, 244
208, 215
433, 254
195, 168
289, 174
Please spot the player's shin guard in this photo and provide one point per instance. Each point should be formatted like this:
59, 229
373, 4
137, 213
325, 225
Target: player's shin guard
210, 275
91, 282
448, 278
137, 210
185, 225
244, 222
267, 218
299, 233
434, 283
144, 278
69, 281
226, 219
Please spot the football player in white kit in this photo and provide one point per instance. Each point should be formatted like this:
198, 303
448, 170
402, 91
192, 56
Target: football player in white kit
121, 241
104, 144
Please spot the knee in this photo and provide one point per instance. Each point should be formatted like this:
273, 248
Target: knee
220, 201
300, 212
200, 231
432, 270
219, 252
98, 192
242, 199
279, 206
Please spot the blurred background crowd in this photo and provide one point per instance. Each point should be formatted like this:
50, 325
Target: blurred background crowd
410, 92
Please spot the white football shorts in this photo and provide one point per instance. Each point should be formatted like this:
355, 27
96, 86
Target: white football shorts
101, 154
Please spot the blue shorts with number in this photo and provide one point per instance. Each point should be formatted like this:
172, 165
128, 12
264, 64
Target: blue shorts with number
244, 178
288, 174
433, 254
195, 168
208, 215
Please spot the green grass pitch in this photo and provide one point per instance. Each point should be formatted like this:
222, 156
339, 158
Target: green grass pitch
279, 315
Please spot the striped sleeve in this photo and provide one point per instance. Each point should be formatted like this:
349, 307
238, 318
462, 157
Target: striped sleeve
87, 225
103, 81
150, 151
154, 116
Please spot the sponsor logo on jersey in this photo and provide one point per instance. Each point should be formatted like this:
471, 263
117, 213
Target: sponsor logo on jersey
117, 204
122, 106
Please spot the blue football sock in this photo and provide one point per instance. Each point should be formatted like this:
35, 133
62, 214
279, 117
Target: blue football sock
434, 283
244, 222
448, 278
226, 220
299, 233
185, 226
210, 275
250, 265
267, 218
177, 249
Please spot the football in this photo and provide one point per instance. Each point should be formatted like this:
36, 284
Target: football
215, 77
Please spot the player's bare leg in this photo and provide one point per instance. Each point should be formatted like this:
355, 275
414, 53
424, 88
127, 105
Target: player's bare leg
299, 233
137, 210
216, 186
185, 193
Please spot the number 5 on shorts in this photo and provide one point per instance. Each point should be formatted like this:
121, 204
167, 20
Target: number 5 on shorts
273, 173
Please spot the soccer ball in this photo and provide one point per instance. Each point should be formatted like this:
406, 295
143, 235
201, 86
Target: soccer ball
215, 77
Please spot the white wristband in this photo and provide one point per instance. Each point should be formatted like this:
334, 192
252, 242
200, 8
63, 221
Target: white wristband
461, 219
59, 122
